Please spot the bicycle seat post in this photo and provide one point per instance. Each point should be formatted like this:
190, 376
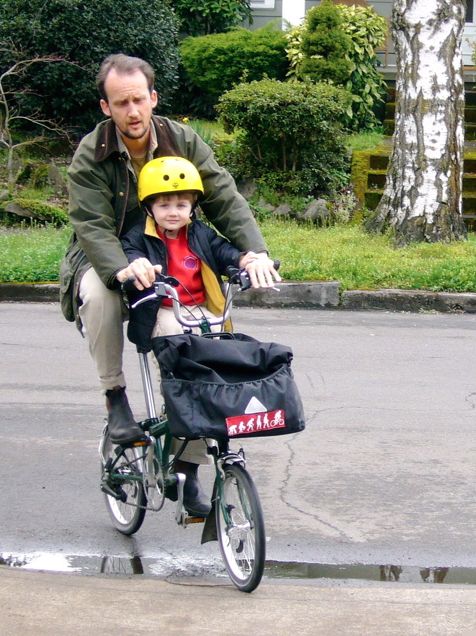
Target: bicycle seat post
147, 385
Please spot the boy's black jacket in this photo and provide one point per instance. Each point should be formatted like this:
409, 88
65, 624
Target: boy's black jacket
214, 252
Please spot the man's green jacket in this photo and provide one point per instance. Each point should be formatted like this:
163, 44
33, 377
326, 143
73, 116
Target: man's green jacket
104, 205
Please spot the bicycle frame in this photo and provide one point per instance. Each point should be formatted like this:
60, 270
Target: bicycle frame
136, 476
156, 453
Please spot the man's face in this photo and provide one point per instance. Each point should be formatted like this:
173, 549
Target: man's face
129, 103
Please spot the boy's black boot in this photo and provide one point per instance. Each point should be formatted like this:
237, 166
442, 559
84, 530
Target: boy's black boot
120, 422
195, 502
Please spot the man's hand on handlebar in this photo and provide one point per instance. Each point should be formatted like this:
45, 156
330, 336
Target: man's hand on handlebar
260, 269
142, 271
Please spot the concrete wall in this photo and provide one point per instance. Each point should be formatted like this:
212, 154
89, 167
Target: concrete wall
383, 8
263, 16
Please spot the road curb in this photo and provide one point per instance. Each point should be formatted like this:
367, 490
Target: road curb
312, 295
29, 293
318, 295
408, 300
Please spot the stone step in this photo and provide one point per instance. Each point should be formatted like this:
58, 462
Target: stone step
369, 176
376, 180
372, 198
469, 95
380, 162
469, 128
469, 112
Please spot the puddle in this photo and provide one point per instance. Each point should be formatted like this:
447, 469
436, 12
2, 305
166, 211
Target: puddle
395, 573
174, 566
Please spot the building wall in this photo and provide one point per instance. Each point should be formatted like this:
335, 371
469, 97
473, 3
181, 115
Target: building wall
383, 8
263, 16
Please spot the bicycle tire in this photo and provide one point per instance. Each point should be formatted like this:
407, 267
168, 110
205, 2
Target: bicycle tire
126, 515
242, 538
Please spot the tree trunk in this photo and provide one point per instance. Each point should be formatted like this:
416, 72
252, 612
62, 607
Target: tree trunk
422, 200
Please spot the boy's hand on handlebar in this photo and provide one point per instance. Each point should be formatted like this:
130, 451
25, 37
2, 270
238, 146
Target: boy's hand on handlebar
260, 269
142, 271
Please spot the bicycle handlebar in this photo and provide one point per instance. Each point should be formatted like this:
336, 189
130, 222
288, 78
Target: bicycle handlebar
164, 287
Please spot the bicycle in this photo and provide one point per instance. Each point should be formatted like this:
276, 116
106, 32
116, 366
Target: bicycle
136, 478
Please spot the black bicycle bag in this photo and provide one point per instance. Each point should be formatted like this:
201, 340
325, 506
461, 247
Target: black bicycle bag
229, 386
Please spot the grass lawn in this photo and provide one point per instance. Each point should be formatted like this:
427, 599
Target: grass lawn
344, 253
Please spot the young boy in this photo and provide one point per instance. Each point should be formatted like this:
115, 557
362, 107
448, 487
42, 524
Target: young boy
178, 245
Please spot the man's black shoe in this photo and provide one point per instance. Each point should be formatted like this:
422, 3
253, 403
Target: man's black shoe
120, 422
195, 502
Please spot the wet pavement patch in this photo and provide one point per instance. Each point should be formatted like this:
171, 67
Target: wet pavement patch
170, 566
395, 573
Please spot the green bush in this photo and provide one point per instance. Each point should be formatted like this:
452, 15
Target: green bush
214, 63
290, 134
202, 17
38, 210
325, 45
84, 32
367, 31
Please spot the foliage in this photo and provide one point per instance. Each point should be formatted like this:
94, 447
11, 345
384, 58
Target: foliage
209, 131
33, 173
367, 140
294, 51
32, 253
202, 17
11, 116
290, 134
39, 210
361, 261
366, 31
325, 45
343, 252
85, 33
214, 63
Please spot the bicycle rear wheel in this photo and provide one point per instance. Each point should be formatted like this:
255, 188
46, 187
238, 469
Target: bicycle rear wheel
240, 528
128, 512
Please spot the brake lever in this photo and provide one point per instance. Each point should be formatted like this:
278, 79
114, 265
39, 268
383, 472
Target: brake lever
241, 277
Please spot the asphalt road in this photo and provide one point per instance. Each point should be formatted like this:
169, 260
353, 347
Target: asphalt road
384, 473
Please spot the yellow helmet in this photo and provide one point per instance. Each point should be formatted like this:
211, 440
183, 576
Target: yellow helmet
167, 175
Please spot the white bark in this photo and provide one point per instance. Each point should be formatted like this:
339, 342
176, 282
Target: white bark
422, 199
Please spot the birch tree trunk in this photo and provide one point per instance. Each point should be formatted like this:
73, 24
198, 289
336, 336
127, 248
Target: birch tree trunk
422, 200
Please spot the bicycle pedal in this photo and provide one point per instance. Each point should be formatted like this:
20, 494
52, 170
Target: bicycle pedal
190, 520
145, 442
116, 492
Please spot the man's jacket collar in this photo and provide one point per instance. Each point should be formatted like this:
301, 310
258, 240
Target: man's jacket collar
106, 144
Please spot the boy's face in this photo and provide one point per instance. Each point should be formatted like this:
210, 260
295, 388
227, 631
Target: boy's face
172, 211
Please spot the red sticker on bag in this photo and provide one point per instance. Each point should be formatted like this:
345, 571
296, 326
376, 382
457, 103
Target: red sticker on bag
255, 422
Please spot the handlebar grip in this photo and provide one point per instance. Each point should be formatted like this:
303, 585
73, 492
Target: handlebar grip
128, 285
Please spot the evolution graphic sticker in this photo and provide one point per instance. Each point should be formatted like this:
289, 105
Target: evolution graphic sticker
255, 422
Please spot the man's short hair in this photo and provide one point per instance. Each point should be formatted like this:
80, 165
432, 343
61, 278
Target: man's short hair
123, 64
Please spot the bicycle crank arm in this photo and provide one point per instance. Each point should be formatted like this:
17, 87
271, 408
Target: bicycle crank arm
179, 511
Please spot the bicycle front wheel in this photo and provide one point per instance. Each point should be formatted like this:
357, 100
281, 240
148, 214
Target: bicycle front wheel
128, 512
240, 528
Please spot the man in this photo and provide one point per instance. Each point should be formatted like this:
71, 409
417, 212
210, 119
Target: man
104, 205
